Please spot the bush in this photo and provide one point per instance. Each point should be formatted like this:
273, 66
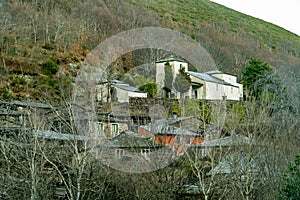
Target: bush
150, 88
4, 93
85, 47
18, 81
50, 67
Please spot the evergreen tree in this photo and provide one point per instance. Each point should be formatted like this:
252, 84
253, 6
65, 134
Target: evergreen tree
168, 82
257, 77
182, 82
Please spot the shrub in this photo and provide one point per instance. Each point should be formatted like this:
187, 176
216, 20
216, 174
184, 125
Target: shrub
150, 88
18, 81
50, 67
4, 93
85, 47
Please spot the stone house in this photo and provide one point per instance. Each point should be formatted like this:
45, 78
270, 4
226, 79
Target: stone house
212, 85
117, 91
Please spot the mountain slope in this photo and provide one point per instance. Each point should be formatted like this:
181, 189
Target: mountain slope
43, 43
188, 15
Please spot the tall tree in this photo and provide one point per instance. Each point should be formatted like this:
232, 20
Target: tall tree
252, 76
182, 82
168, 82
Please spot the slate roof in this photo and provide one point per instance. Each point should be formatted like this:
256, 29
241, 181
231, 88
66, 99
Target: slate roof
128, 88
228, 141
238, 162
122, 85
25, 103
161, 129
10, 112
207, 77
48, 134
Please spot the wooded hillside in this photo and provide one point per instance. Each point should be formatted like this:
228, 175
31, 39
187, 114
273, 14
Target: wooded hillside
43, 42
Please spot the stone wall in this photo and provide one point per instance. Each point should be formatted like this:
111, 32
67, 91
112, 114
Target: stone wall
141, 106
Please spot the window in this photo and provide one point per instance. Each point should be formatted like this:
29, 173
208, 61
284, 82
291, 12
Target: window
114, 130
145, 153
99, 128
182, 67
196, 94
204, 151
119, 153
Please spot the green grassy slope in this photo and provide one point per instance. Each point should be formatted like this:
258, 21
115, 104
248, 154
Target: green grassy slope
189, 14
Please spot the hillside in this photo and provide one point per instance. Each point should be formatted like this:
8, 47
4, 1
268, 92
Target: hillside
231, 37
188, 15
43, 43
